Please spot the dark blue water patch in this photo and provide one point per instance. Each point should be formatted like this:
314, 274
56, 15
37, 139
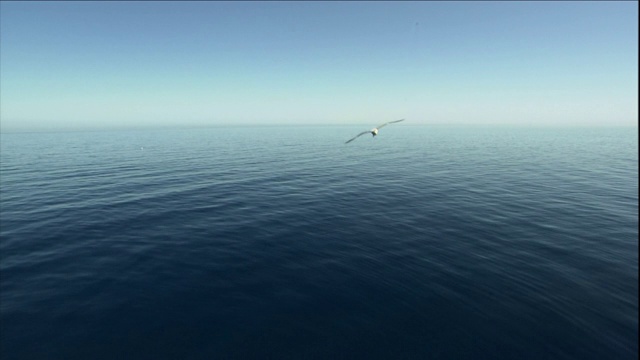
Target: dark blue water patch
284, 243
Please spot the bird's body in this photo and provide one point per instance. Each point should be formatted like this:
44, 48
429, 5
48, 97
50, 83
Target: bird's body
373, 131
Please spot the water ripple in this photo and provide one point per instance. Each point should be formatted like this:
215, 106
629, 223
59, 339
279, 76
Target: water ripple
284, 243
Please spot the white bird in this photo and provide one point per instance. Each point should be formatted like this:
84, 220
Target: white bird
373, 131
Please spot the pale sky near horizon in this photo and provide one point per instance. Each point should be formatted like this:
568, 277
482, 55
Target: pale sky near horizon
91, 65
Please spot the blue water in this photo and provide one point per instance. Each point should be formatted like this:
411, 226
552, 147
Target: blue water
427, 242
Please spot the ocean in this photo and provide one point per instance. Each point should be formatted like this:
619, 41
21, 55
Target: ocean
426, 242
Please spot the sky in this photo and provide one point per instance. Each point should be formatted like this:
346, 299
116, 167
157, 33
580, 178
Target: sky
93, 65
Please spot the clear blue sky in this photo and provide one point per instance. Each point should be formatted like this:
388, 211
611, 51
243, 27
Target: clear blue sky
120, 64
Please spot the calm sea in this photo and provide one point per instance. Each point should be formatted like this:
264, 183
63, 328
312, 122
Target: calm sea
427, 242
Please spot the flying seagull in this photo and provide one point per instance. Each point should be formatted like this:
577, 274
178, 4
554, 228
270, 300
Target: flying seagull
373, 131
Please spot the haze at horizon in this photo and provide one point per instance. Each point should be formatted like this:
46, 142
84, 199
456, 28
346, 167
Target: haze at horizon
101, 65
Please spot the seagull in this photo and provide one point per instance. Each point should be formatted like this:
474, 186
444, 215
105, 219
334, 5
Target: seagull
373, 131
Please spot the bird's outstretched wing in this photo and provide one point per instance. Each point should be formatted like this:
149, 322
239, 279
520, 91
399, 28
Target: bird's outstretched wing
390, 122
362, 133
